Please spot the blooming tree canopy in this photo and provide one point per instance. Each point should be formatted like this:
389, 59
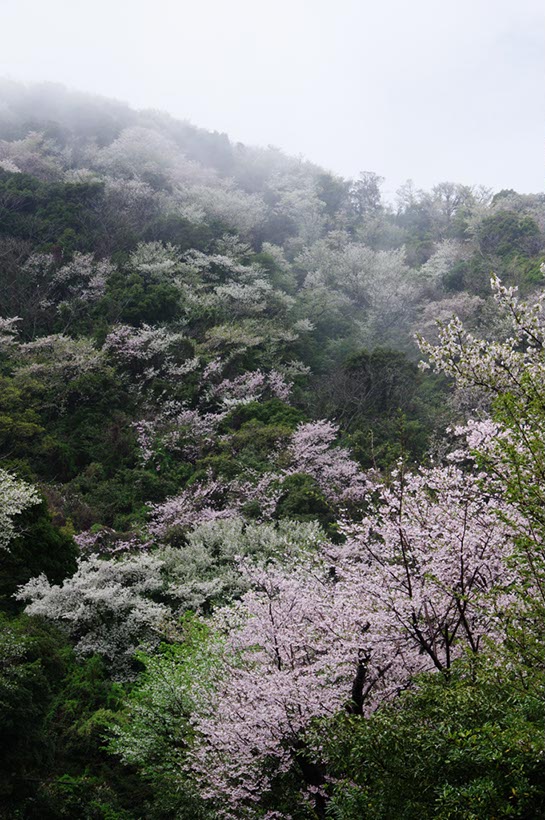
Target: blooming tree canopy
15, 497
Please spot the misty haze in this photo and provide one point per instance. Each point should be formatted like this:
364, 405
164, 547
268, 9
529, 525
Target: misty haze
272, 410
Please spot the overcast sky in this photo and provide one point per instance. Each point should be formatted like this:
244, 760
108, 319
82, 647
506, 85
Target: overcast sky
427, 89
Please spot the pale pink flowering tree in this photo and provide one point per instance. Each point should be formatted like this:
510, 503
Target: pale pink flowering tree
156, 261
8, 165
250, 386
34, 154
289, 651
510, 448
8, 333
15, 497
310, 451
82, 280
421, 580
223, 201
195, 505
264, 490
431, 563
176, 428
147, 353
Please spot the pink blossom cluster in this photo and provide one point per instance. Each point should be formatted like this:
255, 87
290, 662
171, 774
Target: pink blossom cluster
176, 429
430, 561
189, 431
290, 648
106, 541
195, 505
148, 353
72, 287
82, 279
312, 451
8, 332
422, 579
250, 386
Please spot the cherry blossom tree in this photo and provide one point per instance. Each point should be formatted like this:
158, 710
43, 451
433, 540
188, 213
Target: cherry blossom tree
147, 353
309, 451
312, 451
174, 427
509, 446
57, 361
8, 333
425, 577
15, 497
52, 296
431, 572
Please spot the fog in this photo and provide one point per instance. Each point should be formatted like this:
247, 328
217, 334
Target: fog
420, 89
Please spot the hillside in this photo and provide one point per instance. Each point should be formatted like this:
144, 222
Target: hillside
234, 511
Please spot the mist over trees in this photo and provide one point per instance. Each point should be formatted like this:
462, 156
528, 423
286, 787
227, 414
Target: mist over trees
258, 559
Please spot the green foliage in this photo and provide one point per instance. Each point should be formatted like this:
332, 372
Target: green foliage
182, 233
472, 275
54, 713
272, 412
388, 408
383, 443
251, 433
90, 445
39, 548
134, 300
21, 428
469, 745
119, 499
280, 277
302, 500
32, 663
247, 449
58, 216
154, 732
333, 192
506, 233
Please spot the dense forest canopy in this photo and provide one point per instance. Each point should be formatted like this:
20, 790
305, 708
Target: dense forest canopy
258, 559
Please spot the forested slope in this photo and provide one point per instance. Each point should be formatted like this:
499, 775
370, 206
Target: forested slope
256, 562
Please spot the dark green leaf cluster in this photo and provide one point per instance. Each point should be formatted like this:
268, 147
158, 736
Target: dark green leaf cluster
470, 745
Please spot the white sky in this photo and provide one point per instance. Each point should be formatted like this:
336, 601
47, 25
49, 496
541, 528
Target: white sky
427, 89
